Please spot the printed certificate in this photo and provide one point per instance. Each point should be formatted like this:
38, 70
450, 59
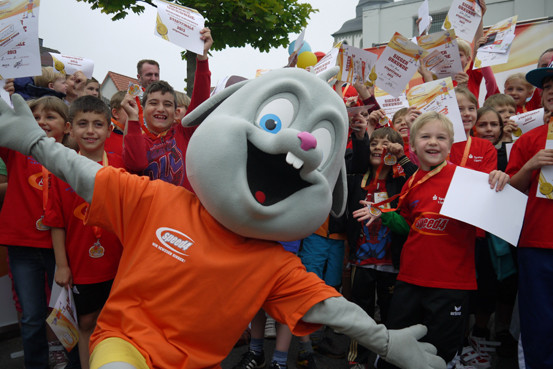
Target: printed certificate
180, 25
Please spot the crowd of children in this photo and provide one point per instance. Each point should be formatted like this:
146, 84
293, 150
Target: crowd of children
399, 260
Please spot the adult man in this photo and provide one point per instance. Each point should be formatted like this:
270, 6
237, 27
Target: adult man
148, 72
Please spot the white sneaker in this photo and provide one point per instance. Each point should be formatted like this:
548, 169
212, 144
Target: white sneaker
57, 359
472, 358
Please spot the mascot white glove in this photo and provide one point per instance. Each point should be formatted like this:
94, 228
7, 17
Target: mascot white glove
19, 128
399, 347
19, 131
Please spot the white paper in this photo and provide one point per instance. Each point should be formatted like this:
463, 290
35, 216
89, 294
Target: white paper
485, 59
464, 17
356, 65
500, 36
328, 61
424, 15
444, 43
439, 96
471, 200
71, 64
180, 25
63, 319
299, 41
390, 104
397, 64
528, 121
19, 50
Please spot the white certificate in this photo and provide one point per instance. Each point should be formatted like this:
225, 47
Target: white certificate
19, 50
500, 36
471, 200
486, 59
439, 96
444, 44
527, 122
464, 16
356, 65
180, 25
71, 64
328, 61
390, 104
424, 15
397, 64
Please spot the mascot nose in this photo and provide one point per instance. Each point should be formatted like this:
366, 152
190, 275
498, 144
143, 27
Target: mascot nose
308, 141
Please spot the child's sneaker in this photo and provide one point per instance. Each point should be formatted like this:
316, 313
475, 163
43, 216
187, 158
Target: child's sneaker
483, 345
471, 357
306, 360
275, 365
57, 359
251, 361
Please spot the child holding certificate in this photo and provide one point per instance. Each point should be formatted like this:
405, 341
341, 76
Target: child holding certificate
532, 153
427, 290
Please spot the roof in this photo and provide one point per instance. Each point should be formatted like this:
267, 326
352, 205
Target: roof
120, 81
352, 25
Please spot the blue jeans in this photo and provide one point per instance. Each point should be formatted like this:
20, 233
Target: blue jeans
32, 268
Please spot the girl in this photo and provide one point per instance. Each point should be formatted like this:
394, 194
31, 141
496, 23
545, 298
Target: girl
29, 244
427, 291
474, 153
489, 126
374, 250
521, 91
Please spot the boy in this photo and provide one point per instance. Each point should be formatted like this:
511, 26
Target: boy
535, 247
426, 290
51, 79
159, 152
86, 257
520, 90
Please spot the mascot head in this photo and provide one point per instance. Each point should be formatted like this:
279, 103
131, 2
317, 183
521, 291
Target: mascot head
267, 160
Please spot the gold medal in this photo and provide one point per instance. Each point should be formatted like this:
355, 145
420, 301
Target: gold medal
161, 28
384, 121
373, 76
517, 132
40, 226
96, 251
546, 188
374, 211
59, 65
447, 23
390, 159
477, 63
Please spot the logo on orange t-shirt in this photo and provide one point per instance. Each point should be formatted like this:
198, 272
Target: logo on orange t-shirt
175, 243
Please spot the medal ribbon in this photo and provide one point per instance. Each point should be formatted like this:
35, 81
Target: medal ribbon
377, 174
118, 124
466, 152
410, 186
45, 187
97, 230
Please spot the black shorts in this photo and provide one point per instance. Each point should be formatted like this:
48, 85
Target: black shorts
91, 297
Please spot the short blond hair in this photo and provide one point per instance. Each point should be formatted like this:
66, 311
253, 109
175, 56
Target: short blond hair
182, 99
464, 47
519, 76
428, 117
49, 75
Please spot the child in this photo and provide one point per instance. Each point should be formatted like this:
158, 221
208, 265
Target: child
506, 107
75, 86
520, 90
399, 121
489, 126
51, 79
474, 153
183, 102
92, 87
374, 250
28, 240
86, 257
114, 143
535, 247
160, 151
426, 289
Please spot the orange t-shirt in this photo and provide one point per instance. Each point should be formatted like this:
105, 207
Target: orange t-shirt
187, 287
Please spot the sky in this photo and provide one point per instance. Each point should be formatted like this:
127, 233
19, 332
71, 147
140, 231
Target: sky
76, 30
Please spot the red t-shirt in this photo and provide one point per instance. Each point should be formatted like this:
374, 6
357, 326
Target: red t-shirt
475, 80
535, 229
114, 144
22, 208
439, 251
482, 155
88, 261
187, 287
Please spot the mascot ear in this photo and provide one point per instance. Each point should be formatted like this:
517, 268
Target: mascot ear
197, 116
339, 194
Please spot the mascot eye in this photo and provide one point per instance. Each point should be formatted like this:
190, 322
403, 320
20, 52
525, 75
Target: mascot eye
276, 115
270, 123
324, 143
